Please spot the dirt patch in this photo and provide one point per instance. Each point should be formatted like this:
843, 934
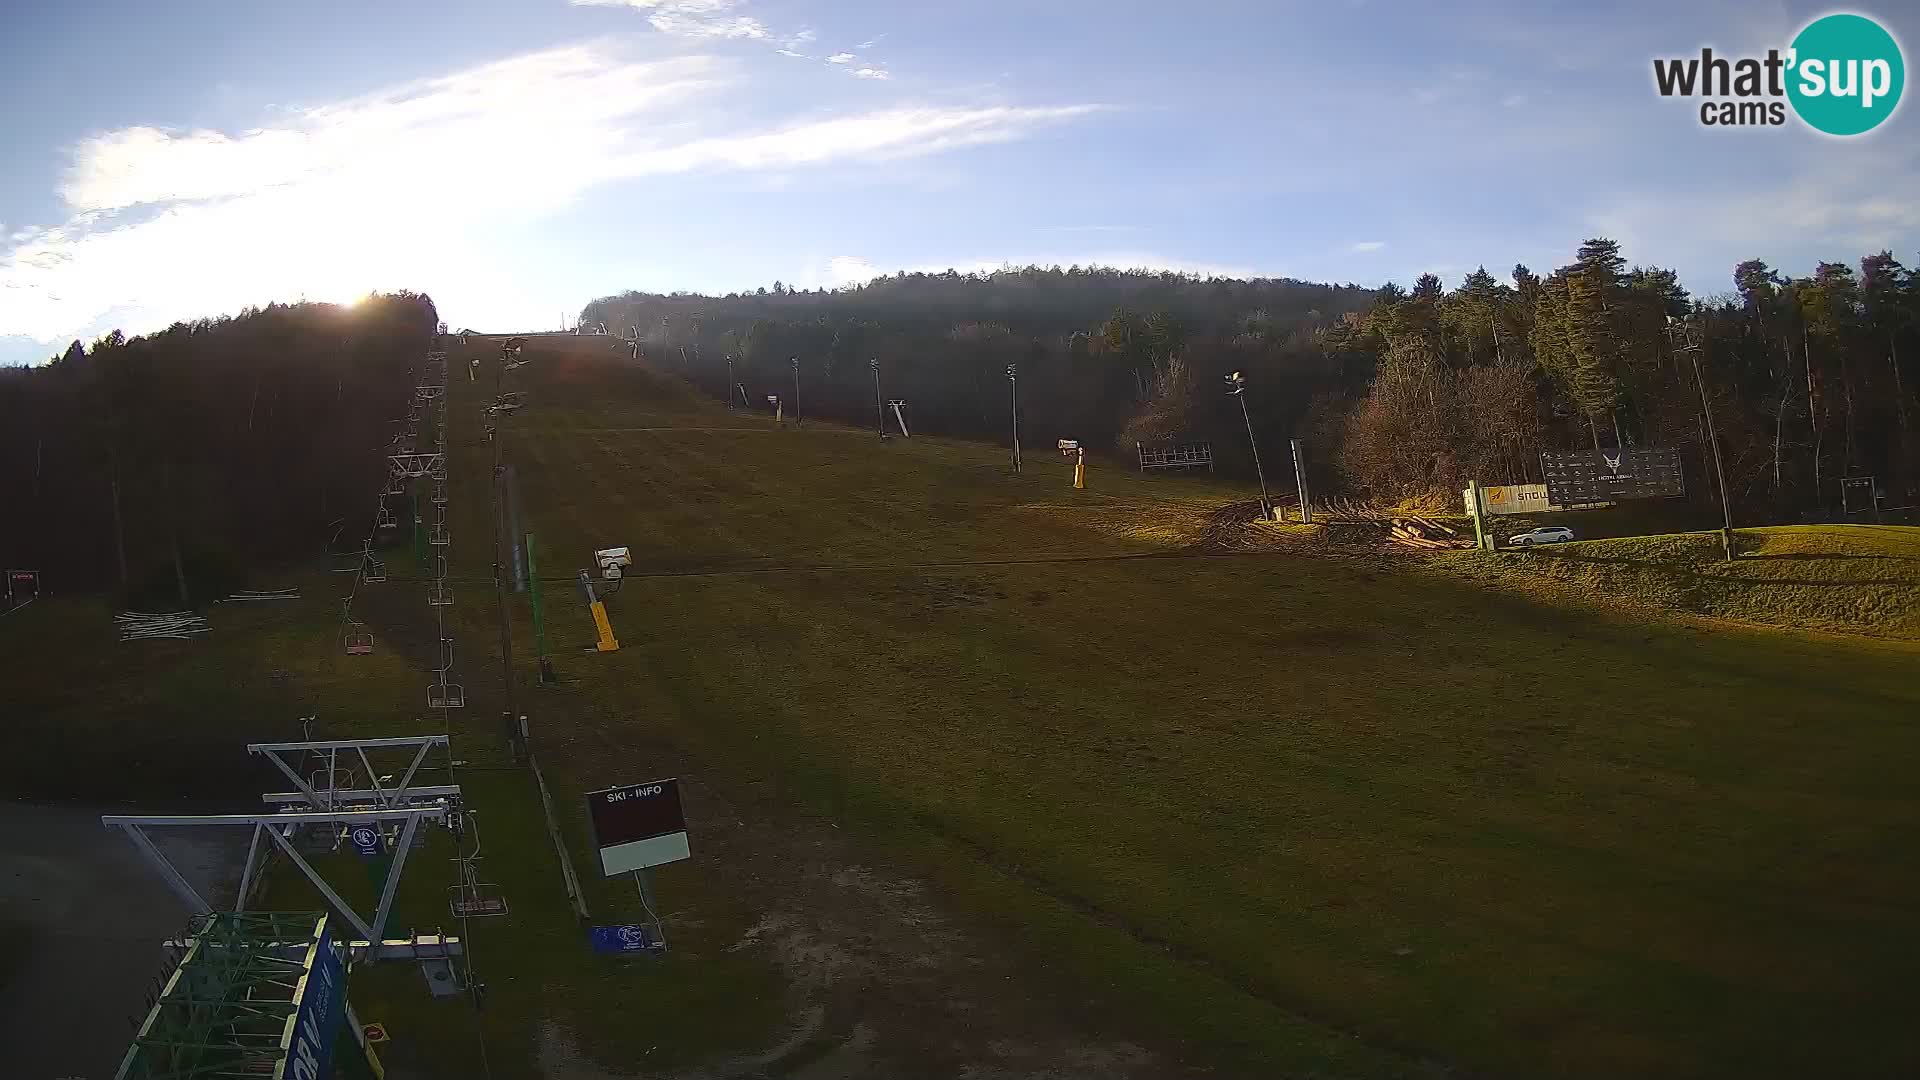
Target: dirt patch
882, 981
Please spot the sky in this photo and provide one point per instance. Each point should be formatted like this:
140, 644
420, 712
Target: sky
515, 159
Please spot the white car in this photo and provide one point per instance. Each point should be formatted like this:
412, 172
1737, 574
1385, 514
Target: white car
1558, 534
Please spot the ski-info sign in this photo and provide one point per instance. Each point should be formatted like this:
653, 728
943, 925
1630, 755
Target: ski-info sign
638, 825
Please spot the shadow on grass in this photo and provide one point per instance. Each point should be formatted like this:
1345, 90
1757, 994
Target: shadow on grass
1816, 556
1688, 570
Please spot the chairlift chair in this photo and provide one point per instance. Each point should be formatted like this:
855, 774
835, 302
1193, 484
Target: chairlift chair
446, 695
354, 636
373, 571
476, 900
387, 520
330, 780
439, 596
438, 537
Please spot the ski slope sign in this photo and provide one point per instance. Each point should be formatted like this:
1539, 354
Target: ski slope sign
638, 825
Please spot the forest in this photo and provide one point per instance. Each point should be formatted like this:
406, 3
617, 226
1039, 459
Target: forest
166, 468
1397, 393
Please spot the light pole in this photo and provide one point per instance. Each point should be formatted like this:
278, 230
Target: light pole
1692, 349
795, 361
1237, 386
1013, 381
879, 406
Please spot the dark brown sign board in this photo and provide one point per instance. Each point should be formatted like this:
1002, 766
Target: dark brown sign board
1594, 476
638, 825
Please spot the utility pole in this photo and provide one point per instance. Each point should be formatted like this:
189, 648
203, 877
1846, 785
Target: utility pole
879, 407
1237, 383
795, 361
1013, 381
729, 382
1692, 348
1300, 483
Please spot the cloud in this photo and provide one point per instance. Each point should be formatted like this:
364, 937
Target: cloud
1364, 246
1812, 212
692, 18
334, 201
850, 270
871, 42
871, 73
840, 58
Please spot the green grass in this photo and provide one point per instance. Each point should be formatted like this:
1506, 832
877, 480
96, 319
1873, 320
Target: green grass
1861, 579
1287, 814
1507, 835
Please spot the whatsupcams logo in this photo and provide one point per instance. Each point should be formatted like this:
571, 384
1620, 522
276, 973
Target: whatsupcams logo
1842, 75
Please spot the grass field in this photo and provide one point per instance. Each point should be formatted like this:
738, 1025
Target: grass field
1850, 579
1273, 812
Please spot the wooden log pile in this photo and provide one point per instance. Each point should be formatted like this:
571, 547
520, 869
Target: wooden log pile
1426, 533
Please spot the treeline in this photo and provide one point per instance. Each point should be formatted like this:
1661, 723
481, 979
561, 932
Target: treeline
1090, 346
1398, 393
166, 467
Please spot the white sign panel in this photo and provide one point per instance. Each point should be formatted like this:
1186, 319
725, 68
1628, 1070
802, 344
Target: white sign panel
1518, 499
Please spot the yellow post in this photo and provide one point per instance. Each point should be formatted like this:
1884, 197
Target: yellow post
606, 642
1080, 471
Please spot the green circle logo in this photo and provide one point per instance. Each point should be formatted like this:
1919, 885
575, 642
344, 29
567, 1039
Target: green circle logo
1846, 74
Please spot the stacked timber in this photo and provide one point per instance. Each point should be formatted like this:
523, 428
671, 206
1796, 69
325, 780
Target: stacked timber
1425, 533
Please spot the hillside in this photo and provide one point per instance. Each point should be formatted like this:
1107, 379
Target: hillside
1850, 579
989, 774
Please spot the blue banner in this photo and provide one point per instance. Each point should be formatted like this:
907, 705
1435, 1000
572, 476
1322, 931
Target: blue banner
322, 1001
630, 938
366, 840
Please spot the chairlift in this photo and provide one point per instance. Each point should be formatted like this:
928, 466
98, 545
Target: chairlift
373, 571
330, 780
446, 695
387, 520
472, 898
440, 495
476, 900
439, 596
438, 537
354, 635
